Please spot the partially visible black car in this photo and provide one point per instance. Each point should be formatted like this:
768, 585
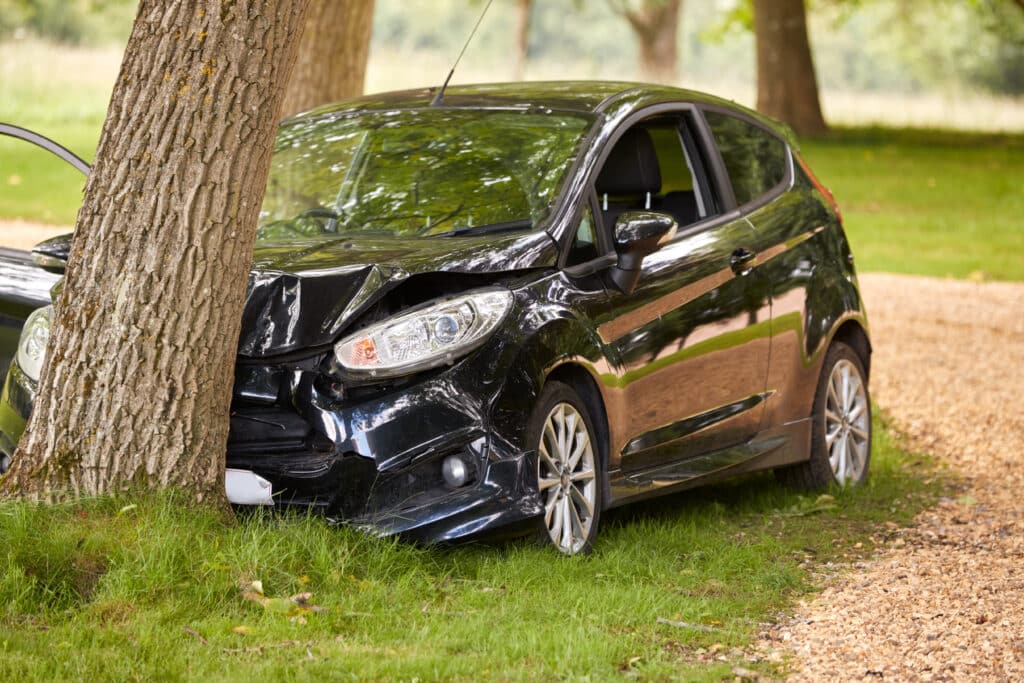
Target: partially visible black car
524, 305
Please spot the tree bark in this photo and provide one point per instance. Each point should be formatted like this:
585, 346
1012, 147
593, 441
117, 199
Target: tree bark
523, 8
333, 51
137, 386
787, 87
655, 25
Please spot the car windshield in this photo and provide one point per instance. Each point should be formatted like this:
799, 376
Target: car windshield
417, 173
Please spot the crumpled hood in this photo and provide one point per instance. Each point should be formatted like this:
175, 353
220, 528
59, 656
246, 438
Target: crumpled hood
303, 294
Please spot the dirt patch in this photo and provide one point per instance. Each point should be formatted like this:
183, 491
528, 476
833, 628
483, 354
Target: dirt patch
944, 600
25, 235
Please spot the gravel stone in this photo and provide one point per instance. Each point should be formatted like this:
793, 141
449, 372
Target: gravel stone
944, 599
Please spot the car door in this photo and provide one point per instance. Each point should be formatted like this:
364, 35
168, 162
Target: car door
692, 339
777, 198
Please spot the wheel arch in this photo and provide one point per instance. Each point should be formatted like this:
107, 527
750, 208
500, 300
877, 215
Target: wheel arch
853, 334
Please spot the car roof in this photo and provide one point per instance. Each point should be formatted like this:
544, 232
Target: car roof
577, 96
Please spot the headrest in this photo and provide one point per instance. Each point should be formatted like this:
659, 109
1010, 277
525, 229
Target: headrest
632, 167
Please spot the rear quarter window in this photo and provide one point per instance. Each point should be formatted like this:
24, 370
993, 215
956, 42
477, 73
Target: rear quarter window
754, 158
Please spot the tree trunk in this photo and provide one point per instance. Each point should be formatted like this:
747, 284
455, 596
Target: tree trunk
655, 25
333, 52
787, 88
137, 386
523, 8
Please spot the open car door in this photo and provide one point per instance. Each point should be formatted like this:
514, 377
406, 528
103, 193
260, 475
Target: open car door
26, 278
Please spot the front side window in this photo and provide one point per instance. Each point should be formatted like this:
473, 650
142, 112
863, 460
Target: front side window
650, 168
417, 173
585, 243
755, 159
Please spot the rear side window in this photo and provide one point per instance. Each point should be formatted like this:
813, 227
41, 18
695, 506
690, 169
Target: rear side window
755, 159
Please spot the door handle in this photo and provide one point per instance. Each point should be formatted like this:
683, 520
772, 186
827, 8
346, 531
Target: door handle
740, 260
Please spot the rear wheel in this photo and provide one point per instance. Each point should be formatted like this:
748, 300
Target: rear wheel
841, 430
568, 469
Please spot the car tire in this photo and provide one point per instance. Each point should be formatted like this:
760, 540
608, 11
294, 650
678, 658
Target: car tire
841, 426
570, 477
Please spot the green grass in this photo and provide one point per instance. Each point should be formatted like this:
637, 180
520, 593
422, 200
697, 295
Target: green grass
928, 202
88, 592
39, 187
62, 93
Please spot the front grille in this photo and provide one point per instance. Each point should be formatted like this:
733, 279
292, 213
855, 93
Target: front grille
261, 429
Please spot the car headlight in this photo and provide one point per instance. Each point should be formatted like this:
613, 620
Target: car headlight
32, 345
424, 338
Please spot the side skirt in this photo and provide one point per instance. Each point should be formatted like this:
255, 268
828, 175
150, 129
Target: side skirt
777, 447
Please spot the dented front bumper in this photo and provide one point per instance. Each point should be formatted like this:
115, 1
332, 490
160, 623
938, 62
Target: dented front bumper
370, 459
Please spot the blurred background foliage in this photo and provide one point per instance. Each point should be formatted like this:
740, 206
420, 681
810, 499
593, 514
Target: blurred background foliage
951, 199
73, 22
859, 45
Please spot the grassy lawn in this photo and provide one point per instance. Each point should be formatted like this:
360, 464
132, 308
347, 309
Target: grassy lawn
153, 592
62, 93
928, 202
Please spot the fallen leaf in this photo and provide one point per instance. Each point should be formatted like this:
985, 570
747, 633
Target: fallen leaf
630, 664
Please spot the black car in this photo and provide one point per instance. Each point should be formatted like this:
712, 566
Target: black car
524, 305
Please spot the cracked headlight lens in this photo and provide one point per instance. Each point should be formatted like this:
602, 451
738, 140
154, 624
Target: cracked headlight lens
424, 338
32, 344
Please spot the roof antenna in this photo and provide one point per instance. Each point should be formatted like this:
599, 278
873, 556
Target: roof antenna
439, 97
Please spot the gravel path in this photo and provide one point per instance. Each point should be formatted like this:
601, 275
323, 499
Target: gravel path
25, 235
943, 601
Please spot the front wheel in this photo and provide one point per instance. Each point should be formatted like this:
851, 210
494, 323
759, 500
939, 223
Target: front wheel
568, 469
841, 430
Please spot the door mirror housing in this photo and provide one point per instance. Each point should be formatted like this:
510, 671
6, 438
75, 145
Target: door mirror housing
638, 234
52, 255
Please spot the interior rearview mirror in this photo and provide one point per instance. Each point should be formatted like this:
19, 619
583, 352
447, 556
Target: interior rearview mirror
638, 234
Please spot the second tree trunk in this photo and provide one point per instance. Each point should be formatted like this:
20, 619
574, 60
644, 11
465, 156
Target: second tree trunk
787, 87
333, 51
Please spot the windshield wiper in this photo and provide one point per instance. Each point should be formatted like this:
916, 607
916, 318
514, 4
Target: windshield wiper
507, 226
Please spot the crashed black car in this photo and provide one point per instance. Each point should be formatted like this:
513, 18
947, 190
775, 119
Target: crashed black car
522, 306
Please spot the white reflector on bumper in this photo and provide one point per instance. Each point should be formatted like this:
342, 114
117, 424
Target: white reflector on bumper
247, 488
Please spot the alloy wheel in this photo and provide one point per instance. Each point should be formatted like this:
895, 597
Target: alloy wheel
567, 478
847, 423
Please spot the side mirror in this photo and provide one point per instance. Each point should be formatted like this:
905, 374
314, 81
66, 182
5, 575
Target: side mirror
52, 255
638, 234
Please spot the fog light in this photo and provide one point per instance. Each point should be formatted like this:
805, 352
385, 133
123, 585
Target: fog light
454, 471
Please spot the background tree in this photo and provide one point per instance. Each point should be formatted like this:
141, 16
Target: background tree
787, 86
655, 25
333, 51
138, 382
523, 10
